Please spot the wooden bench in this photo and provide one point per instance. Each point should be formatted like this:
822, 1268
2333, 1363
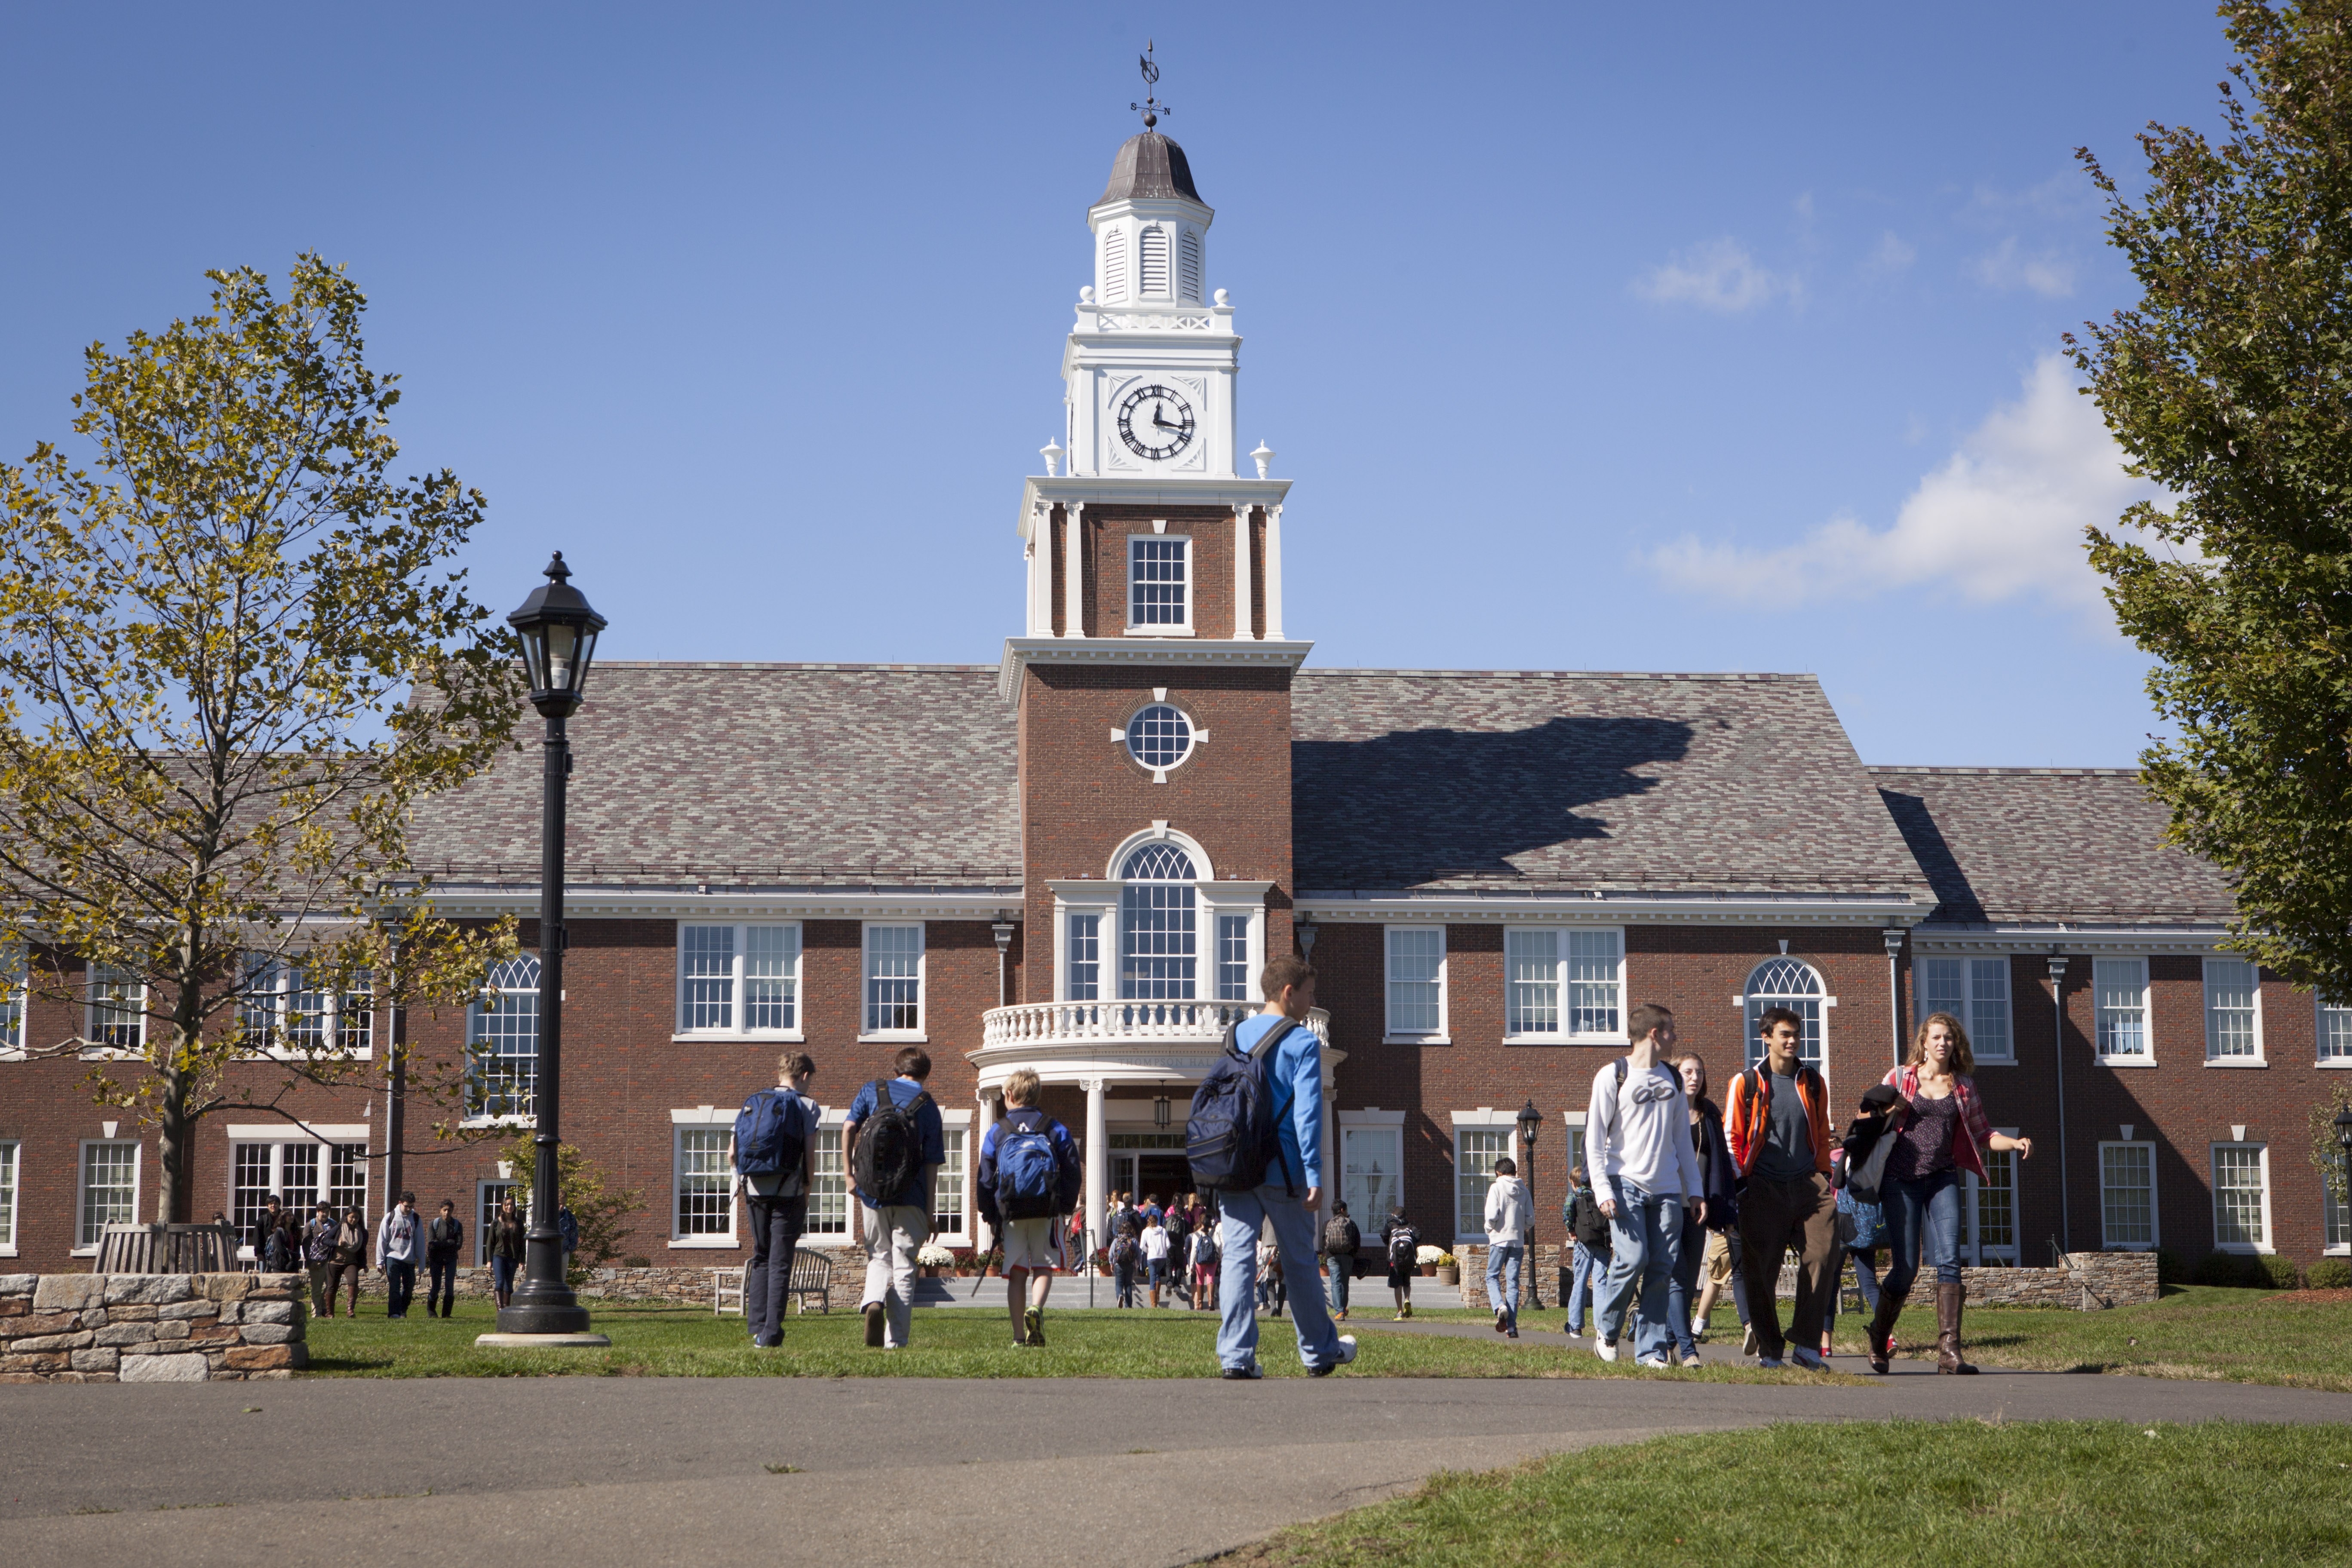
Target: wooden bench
811, 1275
166, 1249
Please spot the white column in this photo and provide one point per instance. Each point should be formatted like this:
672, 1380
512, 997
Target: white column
1274, 573
1074, 574
1243, 629
1041, 572
1330, 1156
1098, 1158
981, 1232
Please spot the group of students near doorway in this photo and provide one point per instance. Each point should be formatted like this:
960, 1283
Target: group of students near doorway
1679, 1187
334, 1249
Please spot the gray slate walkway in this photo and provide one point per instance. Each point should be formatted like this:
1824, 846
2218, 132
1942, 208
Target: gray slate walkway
595, 1471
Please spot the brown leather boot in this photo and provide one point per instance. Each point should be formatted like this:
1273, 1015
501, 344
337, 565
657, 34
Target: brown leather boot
1948, 1298
1882, 1330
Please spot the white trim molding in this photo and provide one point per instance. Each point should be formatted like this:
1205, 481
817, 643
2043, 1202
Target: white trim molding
1611, 909
291, 1131
725, 904
2076, 940
1484, 1116
1022, 652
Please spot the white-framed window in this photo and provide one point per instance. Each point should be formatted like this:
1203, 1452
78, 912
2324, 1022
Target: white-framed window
116, 1011
347, 1177
2120, 998
738, 982
2334, 1035
15, 978
1793, 984
1563, 985
2334, 1221
2233, 1012
299, 1168
894, 982
1158, 582
2127, 1196
1372, 1171
1085, 959
1988, 1217
1416, 982
703, 1178
283, 1012
829, 1202
1976, 992
110, 1189
1475, 1149
502, 1043
1575, 1122
12, 1155
1233, 958
949, 1187
2241, 1197
1158, 926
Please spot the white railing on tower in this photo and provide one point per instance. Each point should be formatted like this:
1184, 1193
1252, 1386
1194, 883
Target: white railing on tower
1047, 1023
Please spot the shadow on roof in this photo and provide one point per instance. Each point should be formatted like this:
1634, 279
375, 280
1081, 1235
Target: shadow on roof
1954, 899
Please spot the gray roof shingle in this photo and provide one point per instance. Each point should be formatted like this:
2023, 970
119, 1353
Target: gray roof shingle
1497, 779
772, 774
2039, 846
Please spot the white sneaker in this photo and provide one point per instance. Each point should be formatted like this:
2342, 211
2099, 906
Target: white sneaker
1810, 1360
1769, 1362
1655, 1363
1346, 1349
1605, 1349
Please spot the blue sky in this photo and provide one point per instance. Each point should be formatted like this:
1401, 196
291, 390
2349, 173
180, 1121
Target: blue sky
1593, 337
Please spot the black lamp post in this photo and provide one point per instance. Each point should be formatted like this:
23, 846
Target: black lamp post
2344, 1145
1530, 1121
558, 637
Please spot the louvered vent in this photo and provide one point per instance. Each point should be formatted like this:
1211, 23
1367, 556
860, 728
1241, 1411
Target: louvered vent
1114, 280
1155, 264
1188, 254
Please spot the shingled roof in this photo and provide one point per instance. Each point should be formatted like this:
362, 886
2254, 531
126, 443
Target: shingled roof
1546, 781
774, 774
2041, 846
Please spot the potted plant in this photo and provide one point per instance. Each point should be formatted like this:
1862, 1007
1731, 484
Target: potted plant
1449, 1269
992, 1264
1427, 1258
932, 1257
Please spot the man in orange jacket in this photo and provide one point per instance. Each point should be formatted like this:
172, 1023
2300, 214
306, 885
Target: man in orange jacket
1778, 1129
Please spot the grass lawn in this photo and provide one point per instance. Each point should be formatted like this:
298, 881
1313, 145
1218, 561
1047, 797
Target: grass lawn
2054, 1492
688, 1342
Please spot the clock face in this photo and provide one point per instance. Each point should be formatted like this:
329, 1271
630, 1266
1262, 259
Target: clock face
1155, 422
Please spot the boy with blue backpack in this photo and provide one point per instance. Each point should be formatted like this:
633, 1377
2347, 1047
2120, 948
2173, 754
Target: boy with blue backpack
775, 1144
1028, 1183
893, 1144
1255, 1138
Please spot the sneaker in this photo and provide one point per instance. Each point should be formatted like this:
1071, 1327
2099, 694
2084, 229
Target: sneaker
1768, 1362
1502, 1320
1398, 1318
1033, 1324
1347, 1356
1810, 1360
1654, 1363
1747, 1340
1513, 1330
874, 1325
1245, 1373
1573, 1331
1407, 1313
1605, 1349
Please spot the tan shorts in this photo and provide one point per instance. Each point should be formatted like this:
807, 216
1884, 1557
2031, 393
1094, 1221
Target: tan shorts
1719, 1259
1033, 1244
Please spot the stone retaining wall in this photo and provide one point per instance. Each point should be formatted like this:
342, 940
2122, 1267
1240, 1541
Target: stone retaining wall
151, 1328
687, 1283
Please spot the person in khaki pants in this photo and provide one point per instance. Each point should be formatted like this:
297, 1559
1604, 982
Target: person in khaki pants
1778, 1129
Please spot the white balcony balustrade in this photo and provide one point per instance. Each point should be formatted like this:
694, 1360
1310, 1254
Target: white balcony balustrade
1075, 1023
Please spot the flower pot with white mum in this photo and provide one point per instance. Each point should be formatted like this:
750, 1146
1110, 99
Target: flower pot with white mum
932, 1257
1427, 1257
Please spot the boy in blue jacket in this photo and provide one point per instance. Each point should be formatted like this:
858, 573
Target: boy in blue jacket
1028, 1184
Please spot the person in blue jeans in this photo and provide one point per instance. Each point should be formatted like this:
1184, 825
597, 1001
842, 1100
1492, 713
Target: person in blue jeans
1589, 1229
1510, 1216
1719, 1179
1637, 1133
1287, 1201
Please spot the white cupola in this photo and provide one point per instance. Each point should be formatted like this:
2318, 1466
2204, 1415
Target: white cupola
1151, 229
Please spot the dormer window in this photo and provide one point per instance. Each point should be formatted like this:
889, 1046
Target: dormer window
1154, 254
1159, 584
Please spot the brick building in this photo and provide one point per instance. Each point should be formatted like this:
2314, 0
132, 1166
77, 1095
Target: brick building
1077, 858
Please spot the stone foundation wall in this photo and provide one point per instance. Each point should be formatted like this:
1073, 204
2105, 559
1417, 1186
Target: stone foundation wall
1547, 1259
2090, 1282
689, 1284
151, 1328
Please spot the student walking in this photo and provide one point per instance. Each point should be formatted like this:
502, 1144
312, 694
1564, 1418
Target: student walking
443, 1239
1179, 1228
1340, 1240
1155, 1258
1510, 1215
1858, 1233
319, 1253
260, 1229
507, 1241
1638, 1133
1940, 1129
1125, 1228
1204, 1268
399, 1248
351, 1259
891, 1171
775, 1164
1719, 1182
1029, 1179
1588, 1229
1275, 1050
1780, 1133
1270, 1293
1401, 1243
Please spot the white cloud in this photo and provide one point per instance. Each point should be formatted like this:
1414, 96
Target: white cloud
2002, 518
1718, 275
2049, 274
1889, 255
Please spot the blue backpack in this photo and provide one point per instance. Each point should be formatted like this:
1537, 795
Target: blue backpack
1028, 1172
768, 1135
1230, 1138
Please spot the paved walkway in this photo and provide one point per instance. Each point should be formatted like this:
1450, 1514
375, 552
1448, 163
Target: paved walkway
641, 1471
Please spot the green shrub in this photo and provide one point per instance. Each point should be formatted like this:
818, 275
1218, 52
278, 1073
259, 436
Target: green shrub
2272, 1271
2330, 1274
2221, 1269
2168, 1268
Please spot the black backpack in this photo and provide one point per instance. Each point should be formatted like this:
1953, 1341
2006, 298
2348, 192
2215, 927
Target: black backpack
889, 1153
1230, 1138
1404, 1246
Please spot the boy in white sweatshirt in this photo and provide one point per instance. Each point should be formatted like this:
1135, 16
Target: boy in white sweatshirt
1510, 1215
1637, 1142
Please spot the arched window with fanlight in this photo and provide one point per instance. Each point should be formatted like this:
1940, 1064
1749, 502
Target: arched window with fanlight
1158, 957
502, 1042
1792, 984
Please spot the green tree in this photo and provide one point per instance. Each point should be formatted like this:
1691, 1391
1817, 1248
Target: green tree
2230, 384
602, 1211
231, 661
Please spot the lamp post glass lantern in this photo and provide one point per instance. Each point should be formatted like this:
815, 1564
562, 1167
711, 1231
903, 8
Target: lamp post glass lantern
558, 630
2344, 1143
1530, 1121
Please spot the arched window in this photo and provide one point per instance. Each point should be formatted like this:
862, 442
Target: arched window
1154, 256
1114, 266
1188, 254
1785, 983
1159, 946
502, 1041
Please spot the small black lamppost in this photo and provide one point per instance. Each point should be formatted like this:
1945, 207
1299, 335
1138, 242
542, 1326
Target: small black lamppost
1531, 1122
2344, 1145
558, 637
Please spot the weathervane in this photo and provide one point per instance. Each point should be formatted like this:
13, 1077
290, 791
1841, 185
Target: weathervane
1151, 109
